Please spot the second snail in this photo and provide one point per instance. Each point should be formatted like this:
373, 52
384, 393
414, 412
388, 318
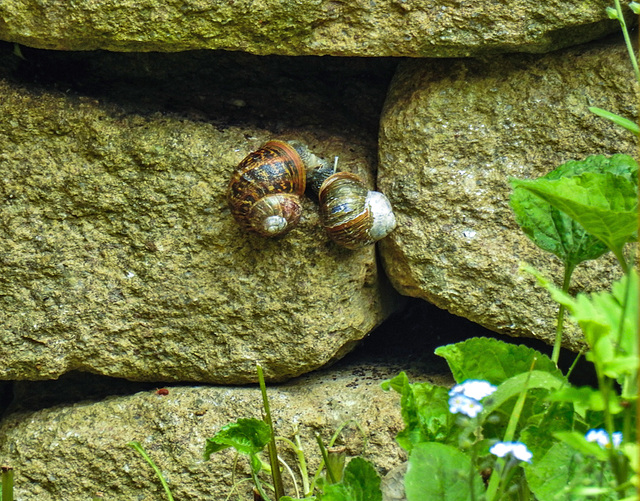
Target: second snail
265, 190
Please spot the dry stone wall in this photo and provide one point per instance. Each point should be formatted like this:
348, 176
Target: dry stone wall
119, 256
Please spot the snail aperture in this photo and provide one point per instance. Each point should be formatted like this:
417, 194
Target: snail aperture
352, 215
265, 189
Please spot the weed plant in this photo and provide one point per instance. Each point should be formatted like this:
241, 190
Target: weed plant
514, 428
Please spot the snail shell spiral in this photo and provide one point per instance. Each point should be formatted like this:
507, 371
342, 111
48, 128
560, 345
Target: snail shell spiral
352, 215
265, 189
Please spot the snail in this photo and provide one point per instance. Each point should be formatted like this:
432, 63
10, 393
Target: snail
352, 215
265, 189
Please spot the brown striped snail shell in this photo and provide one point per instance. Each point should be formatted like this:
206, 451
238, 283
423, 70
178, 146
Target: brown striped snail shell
265, 189
352, 215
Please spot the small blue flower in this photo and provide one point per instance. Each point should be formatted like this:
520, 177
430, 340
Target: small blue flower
458, 403
517, 449
601, 437
473, 388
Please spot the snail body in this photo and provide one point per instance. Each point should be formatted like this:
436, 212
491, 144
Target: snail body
352, 215
265, 189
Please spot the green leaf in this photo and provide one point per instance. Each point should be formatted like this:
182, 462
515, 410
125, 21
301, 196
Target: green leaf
554, 231
538, 434
425, 411
492, 360
501, 404
561, 473
439, 472
604, 204
584, 398
397, 383
360, 482
247, 436
616, 119
609, 321
513, 386
579, 443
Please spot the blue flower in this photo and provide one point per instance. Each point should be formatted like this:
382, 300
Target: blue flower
601, 437
465, 397
458, 403
517, 449
473, 388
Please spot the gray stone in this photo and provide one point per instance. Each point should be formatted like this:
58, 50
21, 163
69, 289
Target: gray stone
452, 133
118, 253
393, 484
76, 451
414, 28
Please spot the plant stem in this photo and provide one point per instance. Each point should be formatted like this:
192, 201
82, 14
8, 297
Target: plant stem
7, 483
137, 446
273, 450
575, 362
302, 462
627, 40
496, 480
472, 476
619, 254
568, 271
258, 484
606, 385
325, 458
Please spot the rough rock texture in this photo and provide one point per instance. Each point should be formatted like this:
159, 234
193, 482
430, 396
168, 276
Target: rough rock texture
452, 133
118, 254
415, 28
76, 451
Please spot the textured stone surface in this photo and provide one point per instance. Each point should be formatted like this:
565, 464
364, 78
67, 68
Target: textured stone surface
118, 254
415, 28
79, 450
452, 133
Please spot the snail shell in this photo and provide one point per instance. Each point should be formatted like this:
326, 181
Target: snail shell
352, 215
265, 189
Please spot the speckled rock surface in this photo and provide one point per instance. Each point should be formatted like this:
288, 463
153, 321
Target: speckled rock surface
118, 254
76, 451
415, 28
452, 133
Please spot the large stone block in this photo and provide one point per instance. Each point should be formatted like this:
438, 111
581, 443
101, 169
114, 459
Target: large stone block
78, 451
118, 253
414, 28
452, 133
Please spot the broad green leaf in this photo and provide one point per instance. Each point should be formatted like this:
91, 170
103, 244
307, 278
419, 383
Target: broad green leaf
552, 230
425, 411
247, 436
439, 472
492, 360
361, 482
539, 433
604, 204
561, 473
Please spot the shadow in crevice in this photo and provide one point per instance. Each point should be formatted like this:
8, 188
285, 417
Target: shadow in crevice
223, 88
